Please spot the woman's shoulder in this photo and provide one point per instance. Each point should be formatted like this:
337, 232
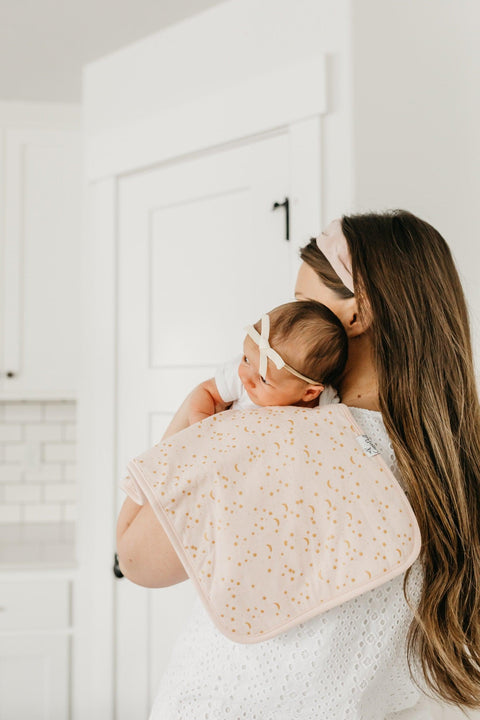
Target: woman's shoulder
371, 422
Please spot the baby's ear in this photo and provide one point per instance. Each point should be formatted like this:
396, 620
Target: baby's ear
312, 392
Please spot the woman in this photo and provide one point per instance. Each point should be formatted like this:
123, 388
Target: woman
410, 385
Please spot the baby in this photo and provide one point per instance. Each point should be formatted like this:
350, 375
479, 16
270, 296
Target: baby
292, 356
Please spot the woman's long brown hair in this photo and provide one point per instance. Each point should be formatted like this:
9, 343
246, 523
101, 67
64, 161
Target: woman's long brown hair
403, 272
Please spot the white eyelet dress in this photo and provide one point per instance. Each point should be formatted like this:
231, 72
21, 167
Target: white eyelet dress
348, 663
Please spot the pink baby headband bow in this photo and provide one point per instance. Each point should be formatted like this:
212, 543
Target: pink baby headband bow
266, 351
333, 245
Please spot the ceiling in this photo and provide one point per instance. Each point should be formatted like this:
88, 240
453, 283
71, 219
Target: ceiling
45, 43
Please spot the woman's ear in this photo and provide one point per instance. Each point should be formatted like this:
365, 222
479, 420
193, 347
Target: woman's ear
354, 323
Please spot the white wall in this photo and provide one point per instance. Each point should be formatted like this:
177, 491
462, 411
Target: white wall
403, 97
223, 46
416, 70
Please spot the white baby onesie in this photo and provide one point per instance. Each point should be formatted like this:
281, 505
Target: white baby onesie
230, 387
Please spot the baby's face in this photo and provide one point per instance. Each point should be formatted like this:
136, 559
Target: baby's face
280, 387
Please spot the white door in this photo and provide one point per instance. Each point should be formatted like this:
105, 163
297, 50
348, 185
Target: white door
201, 254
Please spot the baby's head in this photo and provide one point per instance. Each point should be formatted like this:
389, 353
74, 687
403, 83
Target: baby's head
311, 341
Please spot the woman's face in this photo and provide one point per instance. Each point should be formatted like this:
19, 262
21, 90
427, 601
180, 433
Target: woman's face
310, 287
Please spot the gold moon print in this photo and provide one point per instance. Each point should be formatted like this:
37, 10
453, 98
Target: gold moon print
277, 521
285, 506
236, 467
328, 501
247, 623
368, 573
269, 547
308, 541
212, 495
313, 509
349, 514
278, 606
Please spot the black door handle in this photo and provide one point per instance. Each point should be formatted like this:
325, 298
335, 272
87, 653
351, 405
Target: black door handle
286, 205
116, 568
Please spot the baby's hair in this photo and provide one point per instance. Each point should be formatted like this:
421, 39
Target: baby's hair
310, 338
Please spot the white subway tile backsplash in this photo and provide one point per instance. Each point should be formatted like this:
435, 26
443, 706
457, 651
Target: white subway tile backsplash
22, 494
59, 452
38, 463
70, 432
60, 411
44, 432
10, 514
47, 472
10, 433
60, 493
10, 473
69, 472
14, 453
15, 412
42, 513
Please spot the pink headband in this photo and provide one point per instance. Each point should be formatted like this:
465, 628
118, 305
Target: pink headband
334, 247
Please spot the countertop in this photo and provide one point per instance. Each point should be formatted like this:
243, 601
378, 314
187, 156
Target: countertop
37, 546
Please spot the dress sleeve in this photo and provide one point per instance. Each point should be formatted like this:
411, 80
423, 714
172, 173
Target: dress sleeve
228, 383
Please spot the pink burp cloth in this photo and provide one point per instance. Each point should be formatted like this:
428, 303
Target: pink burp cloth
277, 514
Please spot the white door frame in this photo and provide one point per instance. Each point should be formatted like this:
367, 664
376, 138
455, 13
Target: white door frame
293, 99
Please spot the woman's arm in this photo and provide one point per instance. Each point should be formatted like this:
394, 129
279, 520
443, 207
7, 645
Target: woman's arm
146, 555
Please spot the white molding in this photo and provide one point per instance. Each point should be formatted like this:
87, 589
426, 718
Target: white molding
305, 185
257, 105
93, 689
40, 115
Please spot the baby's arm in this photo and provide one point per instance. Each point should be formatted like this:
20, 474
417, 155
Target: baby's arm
204, 401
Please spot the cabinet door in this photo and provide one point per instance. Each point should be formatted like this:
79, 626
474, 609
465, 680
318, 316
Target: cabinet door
201, 255
34, 677
40, 304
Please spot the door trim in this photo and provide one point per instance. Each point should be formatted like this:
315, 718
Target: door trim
258, 104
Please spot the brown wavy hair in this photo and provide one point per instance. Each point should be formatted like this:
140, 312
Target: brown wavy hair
404, 274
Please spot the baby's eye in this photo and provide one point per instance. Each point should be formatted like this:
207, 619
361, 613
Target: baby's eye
263, 380
245, 359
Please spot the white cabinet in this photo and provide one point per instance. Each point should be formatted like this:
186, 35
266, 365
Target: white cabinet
35, 647
40, 178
